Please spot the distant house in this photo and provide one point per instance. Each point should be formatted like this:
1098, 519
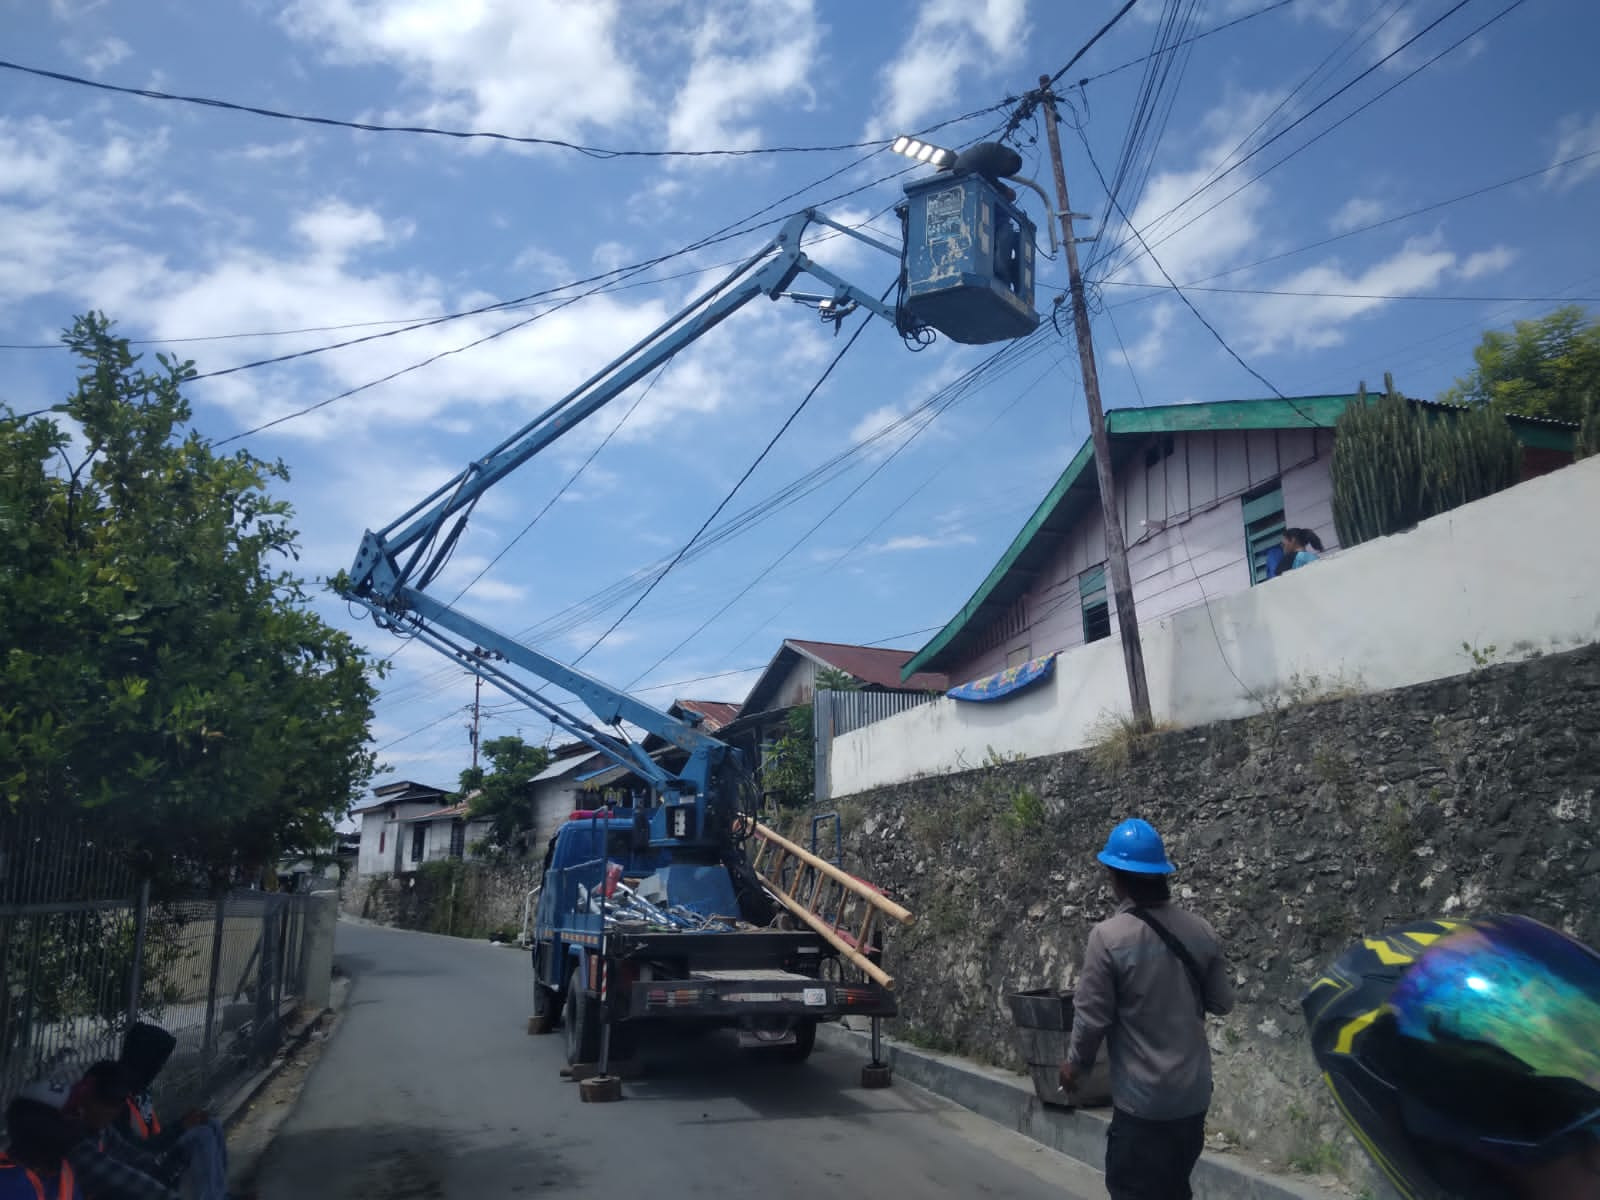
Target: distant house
1204, 492
442, 833
555, 790
387, 836
600, 778
790, 680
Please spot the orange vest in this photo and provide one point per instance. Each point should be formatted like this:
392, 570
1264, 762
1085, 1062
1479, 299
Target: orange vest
145, 1129
13, 1175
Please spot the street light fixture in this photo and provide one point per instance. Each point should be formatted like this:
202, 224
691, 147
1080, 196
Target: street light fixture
925, 152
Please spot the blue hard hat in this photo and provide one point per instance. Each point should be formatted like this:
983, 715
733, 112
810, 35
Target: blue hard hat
1135, 846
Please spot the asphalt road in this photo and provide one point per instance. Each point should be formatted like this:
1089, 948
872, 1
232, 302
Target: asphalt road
430, 1089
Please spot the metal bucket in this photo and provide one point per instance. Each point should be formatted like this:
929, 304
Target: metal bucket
1044, 1026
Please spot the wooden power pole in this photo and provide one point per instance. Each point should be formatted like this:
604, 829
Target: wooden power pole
1116, 548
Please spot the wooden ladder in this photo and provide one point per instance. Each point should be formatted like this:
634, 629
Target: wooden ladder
833, 902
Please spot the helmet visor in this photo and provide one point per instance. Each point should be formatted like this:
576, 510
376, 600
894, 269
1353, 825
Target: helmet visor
1496, 1034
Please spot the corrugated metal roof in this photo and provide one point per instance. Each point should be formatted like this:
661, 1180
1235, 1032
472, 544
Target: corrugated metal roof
1077, 490
563, 767
716, 713
871, 664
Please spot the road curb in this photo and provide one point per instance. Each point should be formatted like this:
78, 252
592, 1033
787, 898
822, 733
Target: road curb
1078, 1133
238, 1102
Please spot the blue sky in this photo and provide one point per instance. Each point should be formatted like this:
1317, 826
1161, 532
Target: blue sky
186, 222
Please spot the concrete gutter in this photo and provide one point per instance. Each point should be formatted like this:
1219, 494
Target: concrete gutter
1010, 1101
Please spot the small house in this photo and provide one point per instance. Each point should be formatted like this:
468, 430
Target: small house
1204, 492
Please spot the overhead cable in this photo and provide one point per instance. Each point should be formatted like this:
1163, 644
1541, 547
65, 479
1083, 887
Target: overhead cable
1322, 133
601, 152
739, 483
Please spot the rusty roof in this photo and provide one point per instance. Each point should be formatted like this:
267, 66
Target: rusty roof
714, 713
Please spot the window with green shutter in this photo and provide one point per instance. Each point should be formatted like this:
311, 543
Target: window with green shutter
1263, 528
1092, 601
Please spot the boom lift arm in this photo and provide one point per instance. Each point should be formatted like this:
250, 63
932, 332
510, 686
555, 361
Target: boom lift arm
699, 804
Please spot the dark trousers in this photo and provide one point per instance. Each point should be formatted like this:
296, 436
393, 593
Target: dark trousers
1151, 1160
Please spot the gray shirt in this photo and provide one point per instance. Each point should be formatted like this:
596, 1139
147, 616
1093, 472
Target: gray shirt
1135, 995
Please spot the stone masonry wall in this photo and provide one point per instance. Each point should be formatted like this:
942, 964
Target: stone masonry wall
468, 899
1294, 832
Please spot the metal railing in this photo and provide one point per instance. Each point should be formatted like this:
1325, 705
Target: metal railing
85, 952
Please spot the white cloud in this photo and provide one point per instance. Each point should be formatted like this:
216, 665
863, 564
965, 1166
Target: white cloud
1315, 322
524, 67
1187, 244
38, 155
1354, 213
335, 229
1487, 262
921, 541
107, 54
744, 57
272, 151
950, 36
1147, 350
1576, 136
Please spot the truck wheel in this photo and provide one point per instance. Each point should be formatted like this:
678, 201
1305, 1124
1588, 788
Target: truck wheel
546, 1014
805, 1040
582, 1019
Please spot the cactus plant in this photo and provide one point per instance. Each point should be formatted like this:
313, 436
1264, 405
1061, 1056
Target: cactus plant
1396, 463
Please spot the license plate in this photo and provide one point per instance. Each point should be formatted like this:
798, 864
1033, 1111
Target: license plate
816, 997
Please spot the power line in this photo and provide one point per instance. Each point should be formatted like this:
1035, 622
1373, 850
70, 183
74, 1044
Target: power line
1283, 103
1323, 133
1189, 304
1189, 41
562, 490
600, 152
728, 499
1371, 225
575, 615
1191, 287
1098, 34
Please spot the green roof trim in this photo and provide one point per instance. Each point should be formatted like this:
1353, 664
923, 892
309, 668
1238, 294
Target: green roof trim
1294, 412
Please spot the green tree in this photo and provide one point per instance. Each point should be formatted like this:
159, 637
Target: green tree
160, 668
1547, 367
832, 679
504, 792
789, 767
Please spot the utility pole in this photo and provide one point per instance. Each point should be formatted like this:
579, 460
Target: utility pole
1116, 548
477, 699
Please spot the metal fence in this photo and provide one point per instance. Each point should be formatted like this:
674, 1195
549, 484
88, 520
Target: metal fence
84, 952
835, 714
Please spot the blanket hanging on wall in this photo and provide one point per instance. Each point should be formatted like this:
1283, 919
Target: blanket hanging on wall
1007, 682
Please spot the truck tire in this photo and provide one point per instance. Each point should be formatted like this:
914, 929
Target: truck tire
546, 1013
582, 1019
805, 1040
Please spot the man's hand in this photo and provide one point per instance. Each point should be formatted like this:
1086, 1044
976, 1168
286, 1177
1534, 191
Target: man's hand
1069, 1077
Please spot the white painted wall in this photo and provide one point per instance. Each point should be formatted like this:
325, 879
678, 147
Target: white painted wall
1183, 520
1508, 571
380, 828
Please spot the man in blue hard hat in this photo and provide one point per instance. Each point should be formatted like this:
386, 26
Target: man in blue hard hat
1150, 974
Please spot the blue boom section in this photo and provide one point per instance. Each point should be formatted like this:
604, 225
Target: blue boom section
698, 804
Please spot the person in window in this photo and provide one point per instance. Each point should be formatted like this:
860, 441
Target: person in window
1299, 547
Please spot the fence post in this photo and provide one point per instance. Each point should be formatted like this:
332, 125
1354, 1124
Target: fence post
208, 1046
141, 921
316, 954
266, 970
